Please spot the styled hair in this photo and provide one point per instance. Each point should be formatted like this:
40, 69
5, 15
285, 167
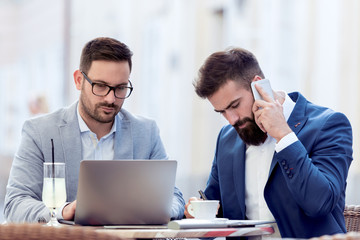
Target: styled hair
235, 64
104, 48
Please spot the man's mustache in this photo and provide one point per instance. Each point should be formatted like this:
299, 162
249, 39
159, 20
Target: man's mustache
112, 105
241, 122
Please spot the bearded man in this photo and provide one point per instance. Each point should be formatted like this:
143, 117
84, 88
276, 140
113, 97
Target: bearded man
283, 158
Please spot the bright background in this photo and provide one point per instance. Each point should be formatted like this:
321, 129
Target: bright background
311, 46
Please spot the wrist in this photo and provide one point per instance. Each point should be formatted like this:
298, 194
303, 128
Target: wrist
282, 134
286, 141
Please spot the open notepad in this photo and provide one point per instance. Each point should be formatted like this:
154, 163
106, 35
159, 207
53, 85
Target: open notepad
215, 223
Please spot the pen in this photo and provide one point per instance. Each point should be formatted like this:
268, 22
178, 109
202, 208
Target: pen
202, 195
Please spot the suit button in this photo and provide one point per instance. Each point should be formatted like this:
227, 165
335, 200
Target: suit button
288, 171
290, 175
286, 167
283, 162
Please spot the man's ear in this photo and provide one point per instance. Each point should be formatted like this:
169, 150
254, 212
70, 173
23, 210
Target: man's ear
256, 78
78, 79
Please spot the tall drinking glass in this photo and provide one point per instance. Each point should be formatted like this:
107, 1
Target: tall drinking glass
54, 190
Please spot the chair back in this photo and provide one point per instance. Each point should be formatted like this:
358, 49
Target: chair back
352, 215
35, 231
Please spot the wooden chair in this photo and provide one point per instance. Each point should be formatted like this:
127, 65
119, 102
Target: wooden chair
352, 222
26, 231
352, 216
342, 236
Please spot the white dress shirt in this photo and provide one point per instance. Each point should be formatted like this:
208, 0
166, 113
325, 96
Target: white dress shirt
257, 166
92, 148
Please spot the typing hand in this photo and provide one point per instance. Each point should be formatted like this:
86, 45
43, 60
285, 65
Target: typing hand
68, 212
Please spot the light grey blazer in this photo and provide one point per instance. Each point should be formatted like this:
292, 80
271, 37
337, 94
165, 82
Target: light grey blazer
135, 138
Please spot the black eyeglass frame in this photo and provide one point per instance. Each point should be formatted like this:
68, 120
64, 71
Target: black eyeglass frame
110, 88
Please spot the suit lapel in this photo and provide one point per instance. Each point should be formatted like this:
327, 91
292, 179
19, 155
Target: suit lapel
71, 142
239, 173
123, 145
296, 121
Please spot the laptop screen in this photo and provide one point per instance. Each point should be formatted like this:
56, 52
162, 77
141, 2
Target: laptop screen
125, 192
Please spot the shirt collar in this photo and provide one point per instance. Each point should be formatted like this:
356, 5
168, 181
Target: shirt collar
288, 106
85, 128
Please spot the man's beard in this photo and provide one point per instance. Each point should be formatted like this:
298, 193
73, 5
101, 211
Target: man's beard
95, 111
251, 134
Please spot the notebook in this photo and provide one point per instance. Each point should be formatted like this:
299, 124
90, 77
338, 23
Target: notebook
214, 223
125, 192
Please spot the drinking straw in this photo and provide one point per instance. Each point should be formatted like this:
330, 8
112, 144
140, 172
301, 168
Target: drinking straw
53, 160
53, 170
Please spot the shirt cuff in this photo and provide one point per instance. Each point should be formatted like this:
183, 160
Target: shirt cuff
285, 142
59, 215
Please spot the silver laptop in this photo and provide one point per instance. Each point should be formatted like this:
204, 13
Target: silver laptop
125, 192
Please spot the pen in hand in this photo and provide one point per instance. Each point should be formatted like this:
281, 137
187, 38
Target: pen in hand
202, 195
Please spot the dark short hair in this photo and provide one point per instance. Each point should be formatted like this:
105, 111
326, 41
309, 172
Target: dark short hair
104, 48
236, 64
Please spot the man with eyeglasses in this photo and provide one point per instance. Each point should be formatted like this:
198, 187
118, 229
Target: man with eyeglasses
95, 127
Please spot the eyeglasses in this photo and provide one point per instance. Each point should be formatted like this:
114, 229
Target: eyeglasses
102, 90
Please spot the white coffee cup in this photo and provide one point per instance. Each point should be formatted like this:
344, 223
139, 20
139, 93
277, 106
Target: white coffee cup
203, 209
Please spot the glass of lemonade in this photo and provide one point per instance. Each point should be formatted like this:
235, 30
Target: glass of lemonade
54, 190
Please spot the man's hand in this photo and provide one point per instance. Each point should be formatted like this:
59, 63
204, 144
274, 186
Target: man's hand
269, 115
68, 212
187, 214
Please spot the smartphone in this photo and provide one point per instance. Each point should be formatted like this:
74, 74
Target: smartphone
265, 84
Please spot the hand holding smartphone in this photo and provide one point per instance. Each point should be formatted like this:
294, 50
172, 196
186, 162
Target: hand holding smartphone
265, 84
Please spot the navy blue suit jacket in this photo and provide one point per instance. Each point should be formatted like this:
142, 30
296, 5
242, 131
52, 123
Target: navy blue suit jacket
305, 190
